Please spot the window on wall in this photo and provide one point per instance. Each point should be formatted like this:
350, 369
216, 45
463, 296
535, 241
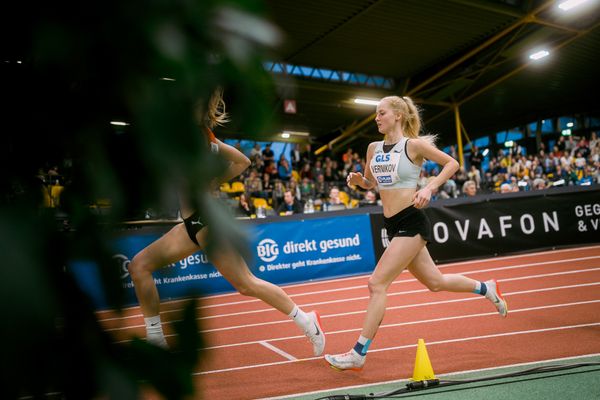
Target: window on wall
566, 123
505, 136
594, 122
277, 147
546, 126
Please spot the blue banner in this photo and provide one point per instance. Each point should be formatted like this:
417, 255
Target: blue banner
283, 252
313, 249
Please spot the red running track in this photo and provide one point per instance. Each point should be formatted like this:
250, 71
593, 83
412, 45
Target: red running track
554, 303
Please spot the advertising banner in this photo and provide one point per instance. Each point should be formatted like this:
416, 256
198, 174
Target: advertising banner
283, 252
313, 249
501, 224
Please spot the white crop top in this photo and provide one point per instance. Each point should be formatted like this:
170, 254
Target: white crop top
394, 170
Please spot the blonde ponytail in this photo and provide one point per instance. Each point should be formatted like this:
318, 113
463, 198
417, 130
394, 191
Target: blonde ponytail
411, 117
215, 113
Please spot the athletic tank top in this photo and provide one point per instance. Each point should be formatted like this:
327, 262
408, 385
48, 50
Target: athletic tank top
212, 141
394, 170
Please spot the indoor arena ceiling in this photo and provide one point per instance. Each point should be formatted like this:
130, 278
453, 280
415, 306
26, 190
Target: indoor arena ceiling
444, 53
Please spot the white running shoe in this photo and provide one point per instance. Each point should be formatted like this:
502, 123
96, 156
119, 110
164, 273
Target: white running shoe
315, 333
495, 296
346, 361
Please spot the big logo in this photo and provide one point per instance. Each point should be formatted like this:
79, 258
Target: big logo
382, 157
123, 264
267, 250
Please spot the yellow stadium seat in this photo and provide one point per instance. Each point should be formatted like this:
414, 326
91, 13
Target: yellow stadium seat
295, 175
225, 187
344, 198
259, 202
55, 192
237, 187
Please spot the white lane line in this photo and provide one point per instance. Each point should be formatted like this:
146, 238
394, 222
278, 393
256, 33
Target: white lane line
424, 321
512, 311
396, 293
495, 269
270, 309
318, 282
362, 311
466, 339
278, 350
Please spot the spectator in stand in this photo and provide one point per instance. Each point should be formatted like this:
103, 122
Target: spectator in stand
586, 178
271, 169
53, 173
307, 155
570, 144
255, 151
334, 203
267, 154
278, 191
505, 188
347, 156
560, 143
293, 187
474, 175
321, 187
253, 184
267, 186
307, 190
487, 183
539, 184
284, 170
469, 189
306, 172
475, 159
289, 205
369, 200
245, 207
330, 174
296, 156
582, 147
453, 152
317, 169
560, 175
461, 176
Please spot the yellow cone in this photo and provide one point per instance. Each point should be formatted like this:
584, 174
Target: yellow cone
423, 370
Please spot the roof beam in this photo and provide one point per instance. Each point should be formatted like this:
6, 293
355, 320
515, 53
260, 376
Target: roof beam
525, 65
525, 19
493, 7
333, 29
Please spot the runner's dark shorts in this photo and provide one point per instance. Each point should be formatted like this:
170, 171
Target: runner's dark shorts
193, 225
408, 222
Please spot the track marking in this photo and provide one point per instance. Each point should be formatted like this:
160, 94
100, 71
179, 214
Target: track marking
364, 276
270, 309
424, 321
277, 350
431, 303
472, 338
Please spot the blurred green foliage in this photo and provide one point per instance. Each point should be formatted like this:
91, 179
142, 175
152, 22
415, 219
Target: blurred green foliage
81, 65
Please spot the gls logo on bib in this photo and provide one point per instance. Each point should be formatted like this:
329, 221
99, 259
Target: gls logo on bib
382, 157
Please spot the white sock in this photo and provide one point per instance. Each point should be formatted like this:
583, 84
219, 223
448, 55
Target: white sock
300, 318
154, 332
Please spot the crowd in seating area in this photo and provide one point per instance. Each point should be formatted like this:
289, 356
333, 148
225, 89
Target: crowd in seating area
300, 182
